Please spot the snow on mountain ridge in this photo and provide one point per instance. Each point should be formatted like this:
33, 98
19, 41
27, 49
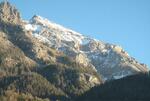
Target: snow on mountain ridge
111, 61
37, 21
65, 34
46, 22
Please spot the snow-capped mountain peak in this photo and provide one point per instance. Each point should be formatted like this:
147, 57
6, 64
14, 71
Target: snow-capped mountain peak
38, 24
111, 61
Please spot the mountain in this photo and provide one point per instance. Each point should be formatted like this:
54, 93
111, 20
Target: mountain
130, 88
29, 67
41, 60
109, 60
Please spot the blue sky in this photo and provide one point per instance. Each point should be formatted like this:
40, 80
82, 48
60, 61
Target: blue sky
122, 22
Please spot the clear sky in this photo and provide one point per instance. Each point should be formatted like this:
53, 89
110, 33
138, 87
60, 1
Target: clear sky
123, 22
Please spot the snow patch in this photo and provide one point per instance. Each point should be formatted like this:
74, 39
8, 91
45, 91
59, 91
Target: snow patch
30, 27
41, 38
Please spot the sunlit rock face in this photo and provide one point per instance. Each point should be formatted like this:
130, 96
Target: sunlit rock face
9, 13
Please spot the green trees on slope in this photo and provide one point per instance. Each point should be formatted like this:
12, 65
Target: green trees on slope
131, 88
33, 84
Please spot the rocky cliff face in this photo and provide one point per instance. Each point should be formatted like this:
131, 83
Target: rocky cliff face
109, 60
9, 13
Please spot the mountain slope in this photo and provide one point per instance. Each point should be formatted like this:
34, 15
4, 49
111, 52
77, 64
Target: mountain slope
131, 88
45, 60
32, 83
109, 60
10, 63
24, 57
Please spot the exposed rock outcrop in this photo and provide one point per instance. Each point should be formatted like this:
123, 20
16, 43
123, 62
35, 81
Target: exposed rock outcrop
9, 13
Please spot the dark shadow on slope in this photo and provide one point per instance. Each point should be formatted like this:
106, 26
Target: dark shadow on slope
131, 88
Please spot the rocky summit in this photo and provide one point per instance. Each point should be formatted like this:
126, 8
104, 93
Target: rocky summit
41, 60
9, 13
